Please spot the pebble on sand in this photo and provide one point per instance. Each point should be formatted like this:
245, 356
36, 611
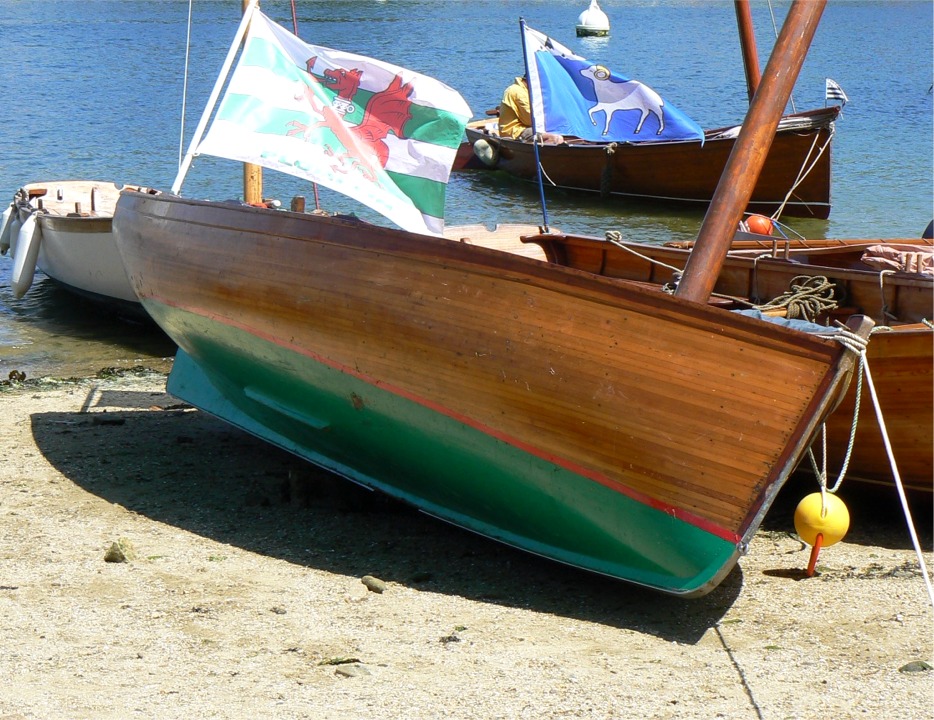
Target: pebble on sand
120, 551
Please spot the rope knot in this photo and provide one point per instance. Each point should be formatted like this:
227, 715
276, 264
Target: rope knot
807, 298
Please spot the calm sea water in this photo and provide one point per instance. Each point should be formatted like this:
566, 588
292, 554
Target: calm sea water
93, 90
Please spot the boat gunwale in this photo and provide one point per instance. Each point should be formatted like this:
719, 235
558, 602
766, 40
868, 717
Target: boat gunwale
715, 135
765, 258
492, 262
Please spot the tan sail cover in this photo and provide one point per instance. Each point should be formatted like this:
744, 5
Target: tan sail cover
901, 258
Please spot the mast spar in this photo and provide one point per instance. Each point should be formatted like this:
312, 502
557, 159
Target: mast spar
252, 174
748, 156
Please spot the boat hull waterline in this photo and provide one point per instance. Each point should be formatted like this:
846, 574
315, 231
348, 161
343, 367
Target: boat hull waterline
600, 424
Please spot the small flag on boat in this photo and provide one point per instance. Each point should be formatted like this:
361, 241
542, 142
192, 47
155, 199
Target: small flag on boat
835, 92
574, 96
378, 133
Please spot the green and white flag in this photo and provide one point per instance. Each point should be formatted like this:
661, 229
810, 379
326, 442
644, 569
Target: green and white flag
378, 133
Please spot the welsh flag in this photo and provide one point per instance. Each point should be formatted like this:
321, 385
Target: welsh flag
381, 134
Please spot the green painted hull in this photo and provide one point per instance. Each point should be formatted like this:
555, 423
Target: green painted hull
447, 468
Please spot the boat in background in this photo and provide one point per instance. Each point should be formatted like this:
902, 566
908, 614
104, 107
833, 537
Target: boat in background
891, 281
65, 230
795, 179
591, 420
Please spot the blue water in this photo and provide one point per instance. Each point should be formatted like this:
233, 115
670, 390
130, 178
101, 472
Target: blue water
93, 89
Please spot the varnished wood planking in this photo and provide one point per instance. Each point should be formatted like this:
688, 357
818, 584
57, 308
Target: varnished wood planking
364, 318
908, 297
902, 366
900, 358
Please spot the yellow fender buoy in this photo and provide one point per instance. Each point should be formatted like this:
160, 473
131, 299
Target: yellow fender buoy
821, 520
25, 256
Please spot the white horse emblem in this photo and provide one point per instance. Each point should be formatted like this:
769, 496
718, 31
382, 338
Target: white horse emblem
615, 96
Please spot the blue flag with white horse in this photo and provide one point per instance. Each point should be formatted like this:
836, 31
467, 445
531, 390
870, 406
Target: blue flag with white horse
571, 95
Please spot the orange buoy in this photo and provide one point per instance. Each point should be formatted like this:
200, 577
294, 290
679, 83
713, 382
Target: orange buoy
759, 224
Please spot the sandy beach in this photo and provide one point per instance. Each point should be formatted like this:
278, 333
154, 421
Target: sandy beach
158, 563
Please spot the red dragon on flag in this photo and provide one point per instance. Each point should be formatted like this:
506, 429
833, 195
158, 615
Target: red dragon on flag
378, 133
387, 111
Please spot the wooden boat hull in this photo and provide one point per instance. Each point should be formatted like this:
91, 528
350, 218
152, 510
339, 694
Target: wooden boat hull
77, 248
901, 357
593, 422
685, 172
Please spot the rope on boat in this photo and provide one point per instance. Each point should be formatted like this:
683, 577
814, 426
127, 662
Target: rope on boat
22, 205
544, 174
857, 344
853, 342
805, 168
615, 237
807, 298
898, 484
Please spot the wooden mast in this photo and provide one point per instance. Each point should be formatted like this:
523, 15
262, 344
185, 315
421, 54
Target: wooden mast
747, 41
252, 174
752, 146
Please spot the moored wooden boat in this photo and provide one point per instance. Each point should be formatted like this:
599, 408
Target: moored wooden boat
760, 269
684, 172
531, 402
591, 421
795, 179
71, 241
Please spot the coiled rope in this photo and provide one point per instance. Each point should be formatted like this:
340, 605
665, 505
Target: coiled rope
808, 297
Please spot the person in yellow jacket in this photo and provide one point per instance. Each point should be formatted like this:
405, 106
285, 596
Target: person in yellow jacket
515, 115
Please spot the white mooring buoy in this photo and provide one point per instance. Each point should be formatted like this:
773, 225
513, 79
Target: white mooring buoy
593, 22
